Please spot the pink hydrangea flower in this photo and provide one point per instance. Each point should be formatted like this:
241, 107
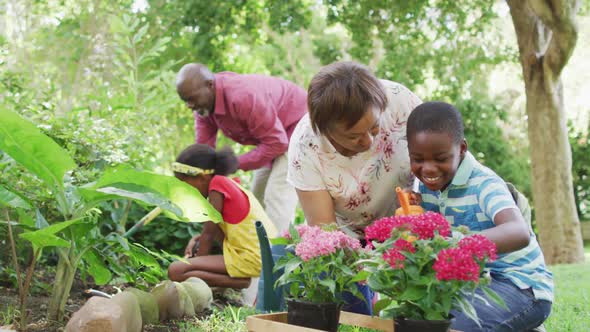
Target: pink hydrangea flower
317, 242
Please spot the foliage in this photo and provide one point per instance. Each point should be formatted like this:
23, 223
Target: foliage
415, 40
219, 27
76, 237
9, 315
422, 271
227, 319
318, 264
489, 142
581, 171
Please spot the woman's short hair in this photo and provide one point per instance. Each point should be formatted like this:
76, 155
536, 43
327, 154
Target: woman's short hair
343, 91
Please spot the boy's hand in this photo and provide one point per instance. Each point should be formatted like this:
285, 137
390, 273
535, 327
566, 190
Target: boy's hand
188, 251
414, 198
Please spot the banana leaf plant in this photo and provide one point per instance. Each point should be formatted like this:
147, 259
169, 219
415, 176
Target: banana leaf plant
75, 236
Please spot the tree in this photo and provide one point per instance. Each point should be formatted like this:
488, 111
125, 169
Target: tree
546, 33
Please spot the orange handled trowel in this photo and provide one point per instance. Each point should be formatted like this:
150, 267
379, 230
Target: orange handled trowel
406, 209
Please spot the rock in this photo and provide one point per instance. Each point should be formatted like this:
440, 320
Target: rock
6, 328
147, 304
99, 314
200, 293
173, 300
186, 302
131, 310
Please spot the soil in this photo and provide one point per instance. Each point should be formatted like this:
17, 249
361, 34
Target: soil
38, 302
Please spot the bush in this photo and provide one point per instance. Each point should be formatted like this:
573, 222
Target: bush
581, 171
488, 142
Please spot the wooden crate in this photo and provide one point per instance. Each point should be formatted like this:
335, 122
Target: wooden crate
278, 322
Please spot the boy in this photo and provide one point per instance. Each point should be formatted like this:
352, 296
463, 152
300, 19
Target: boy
455, 184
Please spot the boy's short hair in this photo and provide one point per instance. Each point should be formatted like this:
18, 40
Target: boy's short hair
436, 116
342, 91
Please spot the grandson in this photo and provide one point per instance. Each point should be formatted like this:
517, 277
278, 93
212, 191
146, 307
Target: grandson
455, 184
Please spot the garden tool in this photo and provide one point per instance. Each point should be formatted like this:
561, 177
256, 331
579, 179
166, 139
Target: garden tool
406, 209
269, 299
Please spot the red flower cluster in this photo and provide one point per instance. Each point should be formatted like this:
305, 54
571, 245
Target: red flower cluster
394, 256
380, 230
424, 225
460, 263
456, 264
479, 246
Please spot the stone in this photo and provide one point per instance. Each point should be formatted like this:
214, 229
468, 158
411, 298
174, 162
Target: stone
173, 300
118, 314
131, 310
147, 304
200, 293
98, 314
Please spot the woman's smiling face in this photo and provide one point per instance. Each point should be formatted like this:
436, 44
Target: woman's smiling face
359, 138
435, 158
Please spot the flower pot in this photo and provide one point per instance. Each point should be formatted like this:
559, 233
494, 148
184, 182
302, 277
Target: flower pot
320, 316
411, 325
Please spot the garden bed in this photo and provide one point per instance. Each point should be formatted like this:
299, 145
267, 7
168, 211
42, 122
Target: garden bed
37, 306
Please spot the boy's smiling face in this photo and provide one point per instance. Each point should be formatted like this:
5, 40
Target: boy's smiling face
435, 158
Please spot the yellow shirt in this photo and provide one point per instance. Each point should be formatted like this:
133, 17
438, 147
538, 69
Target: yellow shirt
241, 248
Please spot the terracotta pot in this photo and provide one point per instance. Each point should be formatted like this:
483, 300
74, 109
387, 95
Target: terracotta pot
320, 316
413, 325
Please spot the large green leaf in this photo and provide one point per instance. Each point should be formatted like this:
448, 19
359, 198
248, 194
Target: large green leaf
26, 144
96, 267
182, 201
141, 193
45, 237
142, 255
412, 294
45, 240
25, 220
9, 198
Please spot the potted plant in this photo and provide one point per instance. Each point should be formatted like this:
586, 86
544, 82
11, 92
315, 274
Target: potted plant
423, 272
317, 270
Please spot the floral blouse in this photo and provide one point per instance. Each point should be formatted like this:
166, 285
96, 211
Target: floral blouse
362, 186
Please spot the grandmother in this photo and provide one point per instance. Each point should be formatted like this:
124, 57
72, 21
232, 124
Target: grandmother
347, 155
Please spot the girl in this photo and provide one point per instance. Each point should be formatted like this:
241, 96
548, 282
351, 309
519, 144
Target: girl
206, 170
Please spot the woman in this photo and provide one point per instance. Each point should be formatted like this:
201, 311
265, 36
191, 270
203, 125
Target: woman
347, 156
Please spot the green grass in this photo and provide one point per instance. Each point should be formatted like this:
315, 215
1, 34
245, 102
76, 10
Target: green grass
571, 309
229, 319
8, 314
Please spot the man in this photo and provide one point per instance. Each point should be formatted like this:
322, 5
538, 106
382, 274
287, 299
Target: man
251, 110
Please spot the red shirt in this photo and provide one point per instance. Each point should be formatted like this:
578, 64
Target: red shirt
253, 110
236, 204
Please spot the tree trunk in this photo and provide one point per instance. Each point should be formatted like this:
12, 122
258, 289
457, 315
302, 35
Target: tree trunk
546, 35
64, 278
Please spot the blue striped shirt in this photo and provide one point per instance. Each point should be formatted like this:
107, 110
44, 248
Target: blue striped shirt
473, 198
